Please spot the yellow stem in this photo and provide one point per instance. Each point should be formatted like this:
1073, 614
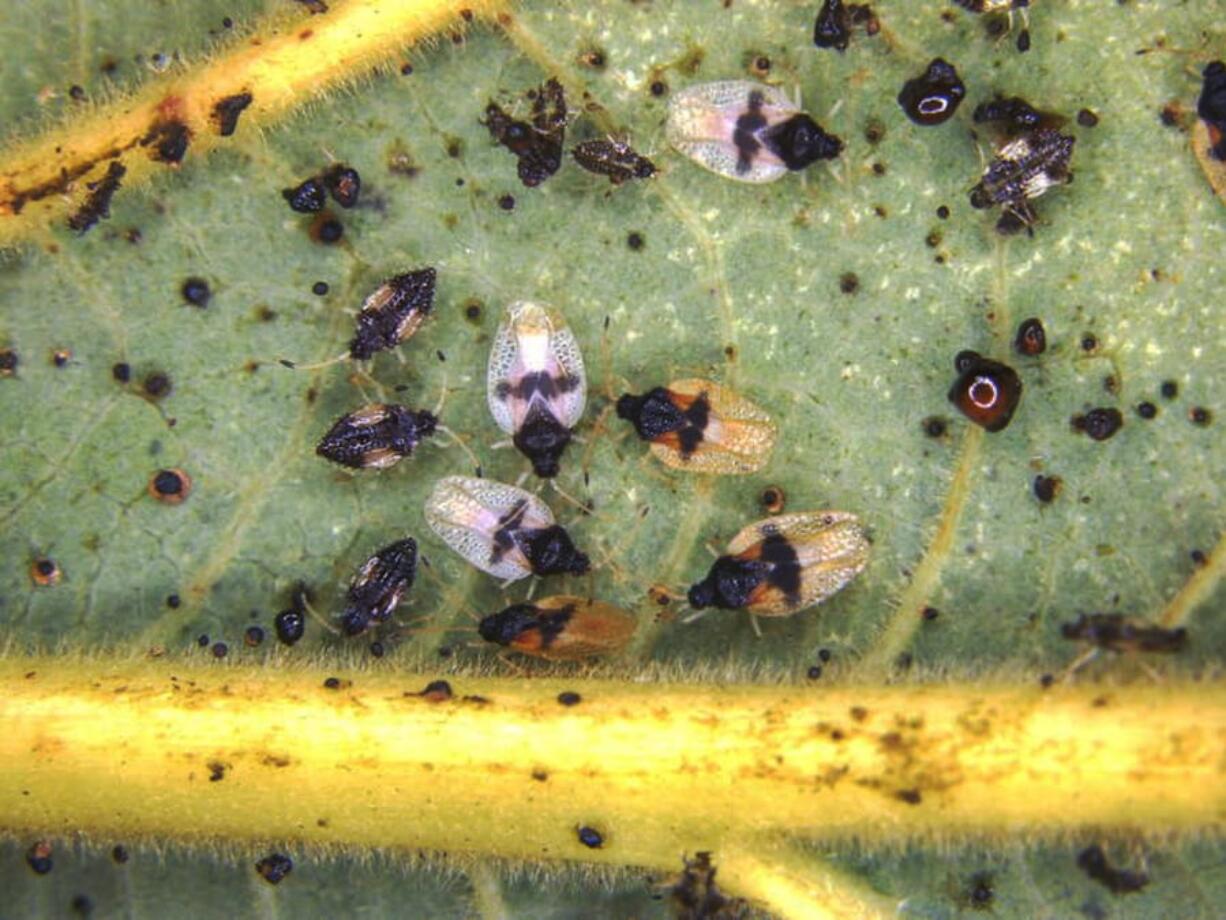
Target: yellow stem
280, 66
117, 749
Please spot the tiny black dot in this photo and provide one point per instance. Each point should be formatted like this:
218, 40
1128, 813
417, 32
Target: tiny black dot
168, 482
290, 626
849, 282
220, 650
157, 385
943, 212
331, 231
1198, 557
202, 641
933, 239
1200, 415
1086, 118
332, 683
376, 649
568, 698
635, 241
319, 288
61, 357
1046, 488
591, 838
878, 169
931, 613
1088, 342
227, 22
405, 69
253, 636
659, 88
935, 426
122, 372
473, 311
1047, 680
119, 853
1147, 410
1170, 389
274, 867
824, 655
814, 672
1099, 423
196, 292
507, 202
173, 601
77, 92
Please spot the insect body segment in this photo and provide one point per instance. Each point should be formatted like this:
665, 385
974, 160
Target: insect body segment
378, 587
784, 564
562, 627
502, 530
701, 426
393, 312
746, 131
376, 436
536, 387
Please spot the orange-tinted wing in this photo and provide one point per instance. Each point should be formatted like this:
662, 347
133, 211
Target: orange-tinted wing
738, 439
594, 628
831, 549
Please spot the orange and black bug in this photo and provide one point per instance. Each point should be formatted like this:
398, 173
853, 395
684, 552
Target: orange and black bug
1209, 132
701, 426
559, 628
376, 436
615, 159
536, 144
45, 572
378, 587
170, 486
784, 564
986, 392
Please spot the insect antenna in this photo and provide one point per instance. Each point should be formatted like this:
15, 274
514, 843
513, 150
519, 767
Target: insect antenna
316, 615
451, 433
295, 366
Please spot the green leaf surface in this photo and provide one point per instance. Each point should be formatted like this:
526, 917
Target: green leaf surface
734, 282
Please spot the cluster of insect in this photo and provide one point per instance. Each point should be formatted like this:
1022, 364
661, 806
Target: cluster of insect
537, 387
537, 394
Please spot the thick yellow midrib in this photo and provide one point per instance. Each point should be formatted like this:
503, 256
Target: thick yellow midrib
659, 769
